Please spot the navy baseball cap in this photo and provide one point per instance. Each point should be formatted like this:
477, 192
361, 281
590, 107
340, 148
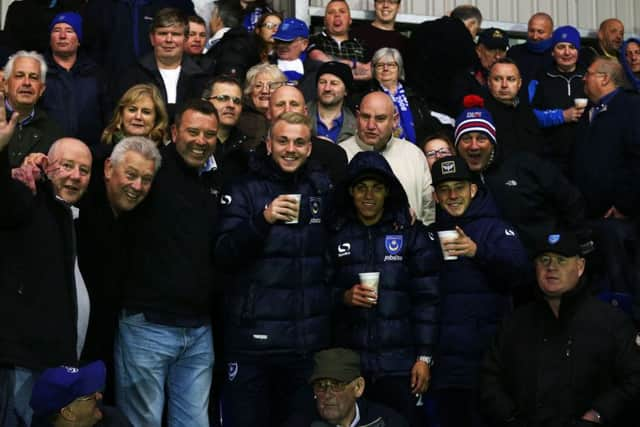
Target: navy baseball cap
57, 387
562, 243
291, 29
494, 38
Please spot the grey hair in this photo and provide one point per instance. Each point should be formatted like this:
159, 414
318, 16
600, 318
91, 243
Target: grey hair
138, 144
8, 68
393, 53
613, 68
272, 70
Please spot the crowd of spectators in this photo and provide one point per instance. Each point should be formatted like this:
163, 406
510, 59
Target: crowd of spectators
224, 219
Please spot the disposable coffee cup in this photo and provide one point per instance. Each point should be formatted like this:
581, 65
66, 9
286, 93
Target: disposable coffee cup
370, 280
580, 102
298, 197
447, 236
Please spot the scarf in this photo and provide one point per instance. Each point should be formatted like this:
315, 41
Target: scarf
541, 46
407, 130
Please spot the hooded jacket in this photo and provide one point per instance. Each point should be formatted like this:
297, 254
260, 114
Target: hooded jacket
402, 325
279, 301
475, 292
634, 79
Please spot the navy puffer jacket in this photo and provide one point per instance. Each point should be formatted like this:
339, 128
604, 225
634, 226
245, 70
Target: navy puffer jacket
475, 292
402, 325
279, 301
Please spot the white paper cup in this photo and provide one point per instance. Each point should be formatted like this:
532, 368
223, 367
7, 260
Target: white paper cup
298, 197
446, 236
580, 102
370, 280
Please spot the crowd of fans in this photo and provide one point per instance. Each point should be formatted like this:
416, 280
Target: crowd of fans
227, 220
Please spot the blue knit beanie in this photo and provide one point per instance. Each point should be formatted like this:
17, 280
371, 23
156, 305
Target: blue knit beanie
71, 18
566, 34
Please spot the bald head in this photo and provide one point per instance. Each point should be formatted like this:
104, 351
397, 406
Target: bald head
286, 99
540, 27
70, 164
377, 119
611, 35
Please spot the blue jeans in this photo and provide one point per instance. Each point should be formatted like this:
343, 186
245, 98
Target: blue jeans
15, 393
151, 358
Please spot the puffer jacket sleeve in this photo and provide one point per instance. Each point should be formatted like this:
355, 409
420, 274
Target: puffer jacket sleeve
501, 253
242, 229
424, 265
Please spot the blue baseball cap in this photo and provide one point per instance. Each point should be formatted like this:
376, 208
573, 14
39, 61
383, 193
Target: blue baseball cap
291, 29
57, 387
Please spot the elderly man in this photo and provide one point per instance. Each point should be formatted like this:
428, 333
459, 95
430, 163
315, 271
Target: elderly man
24, 77
42, 289
168, 67
381, 32
338, 386
376, 120
513, 116
68, 396
531, 194
566, 358
332, 119
336, 43
610, 38
272, 237
76, 90
164, 348
607, 181
488, 262
535, 54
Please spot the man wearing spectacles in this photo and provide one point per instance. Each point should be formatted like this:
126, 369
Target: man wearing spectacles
566, 358
68, 396
338, 386
604, 166
381, 31
232, 151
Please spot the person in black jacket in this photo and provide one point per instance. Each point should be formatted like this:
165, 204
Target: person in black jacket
44, 303
272, 238
76, 95
393, 325
177, 76
565, 359
164, 337
338, 387
475, 286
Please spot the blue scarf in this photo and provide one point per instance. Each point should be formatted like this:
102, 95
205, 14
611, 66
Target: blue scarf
407, 129
541, 46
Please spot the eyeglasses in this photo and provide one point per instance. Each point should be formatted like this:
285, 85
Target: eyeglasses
92, 396
591, 73
274, 85
226, 98
389, 65
322, 386
270, 26
440, 152
546, 260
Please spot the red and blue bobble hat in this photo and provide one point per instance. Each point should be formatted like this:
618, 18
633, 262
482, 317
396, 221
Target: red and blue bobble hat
57, 387
474, 118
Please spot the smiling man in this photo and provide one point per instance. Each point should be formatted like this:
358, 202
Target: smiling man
168, 66
24, 84
168, 285
381, 31
272, 242
566, 339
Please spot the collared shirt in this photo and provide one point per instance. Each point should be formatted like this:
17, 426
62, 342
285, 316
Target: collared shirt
336, 126
351, 48
215, 39
24, 121
601, 106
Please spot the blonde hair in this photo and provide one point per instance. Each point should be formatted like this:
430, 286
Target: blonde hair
159, 132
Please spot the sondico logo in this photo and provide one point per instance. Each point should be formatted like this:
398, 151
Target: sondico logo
344, 249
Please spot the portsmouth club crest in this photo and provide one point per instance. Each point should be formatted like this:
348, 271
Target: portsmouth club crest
232, 370
393, 245
315, 207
